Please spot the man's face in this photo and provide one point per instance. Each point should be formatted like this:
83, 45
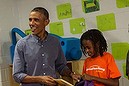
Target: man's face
37, 23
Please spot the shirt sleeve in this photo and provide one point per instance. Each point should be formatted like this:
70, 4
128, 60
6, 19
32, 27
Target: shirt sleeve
18, 63
127, 64
113, 71
61, 62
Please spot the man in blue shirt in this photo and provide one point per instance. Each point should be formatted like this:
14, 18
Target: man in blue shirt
38, 56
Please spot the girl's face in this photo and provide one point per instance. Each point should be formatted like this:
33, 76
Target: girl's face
89, 48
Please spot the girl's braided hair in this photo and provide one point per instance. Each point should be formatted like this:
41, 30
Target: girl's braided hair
96, 37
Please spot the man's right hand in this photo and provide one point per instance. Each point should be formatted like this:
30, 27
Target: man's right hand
48, 80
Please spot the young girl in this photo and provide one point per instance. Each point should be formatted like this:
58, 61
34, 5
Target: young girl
100, 66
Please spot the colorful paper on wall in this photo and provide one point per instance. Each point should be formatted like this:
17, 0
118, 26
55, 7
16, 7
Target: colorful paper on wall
122, 3
106, 22
90, 6
28, 31
77, 26
56, 28
119, 50
124, 69
64, 11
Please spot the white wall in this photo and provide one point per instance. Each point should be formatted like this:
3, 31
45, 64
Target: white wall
14, 13
9, 18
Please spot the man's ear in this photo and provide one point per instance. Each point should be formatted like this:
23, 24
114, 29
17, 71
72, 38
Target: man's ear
47, 22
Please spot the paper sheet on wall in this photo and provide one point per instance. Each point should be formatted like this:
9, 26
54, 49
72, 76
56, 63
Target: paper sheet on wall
124, 69
119, 50
90, 6
64, 11
56, 28
28, 31
122, 3
106, 22
77, 25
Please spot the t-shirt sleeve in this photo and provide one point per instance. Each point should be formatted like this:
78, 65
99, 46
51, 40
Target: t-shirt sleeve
113, 71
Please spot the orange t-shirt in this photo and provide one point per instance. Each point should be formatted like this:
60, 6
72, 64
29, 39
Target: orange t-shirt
103, 67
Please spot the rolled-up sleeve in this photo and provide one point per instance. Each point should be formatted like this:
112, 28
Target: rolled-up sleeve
19, 63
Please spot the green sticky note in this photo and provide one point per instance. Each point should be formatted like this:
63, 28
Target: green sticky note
119, 50
77, 26
90, 6
64, 11
56, 28
106, 22
28, 31
122, 3
124, 69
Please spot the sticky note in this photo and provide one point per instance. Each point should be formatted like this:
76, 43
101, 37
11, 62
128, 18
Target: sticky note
56, 28
106, 22
28, 31
77, 25
122, 3
64, 11
119, 50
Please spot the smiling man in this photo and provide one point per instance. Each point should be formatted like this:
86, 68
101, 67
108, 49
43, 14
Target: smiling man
38, 56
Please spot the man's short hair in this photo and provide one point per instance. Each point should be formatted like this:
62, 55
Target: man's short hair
42, 11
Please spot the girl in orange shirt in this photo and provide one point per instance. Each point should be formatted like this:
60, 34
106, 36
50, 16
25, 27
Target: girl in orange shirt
100, 66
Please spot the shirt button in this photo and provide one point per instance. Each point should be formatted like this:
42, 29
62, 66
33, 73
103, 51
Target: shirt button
44, 73
42, 54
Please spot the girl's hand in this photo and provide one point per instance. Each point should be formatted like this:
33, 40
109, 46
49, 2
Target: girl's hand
76, 77
87, 77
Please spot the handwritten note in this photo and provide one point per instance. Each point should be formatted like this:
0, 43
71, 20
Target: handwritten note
64, 11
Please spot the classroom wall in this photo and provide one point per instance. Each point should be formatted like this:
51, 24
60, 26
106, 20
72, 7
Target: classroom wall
14, 13
9, 17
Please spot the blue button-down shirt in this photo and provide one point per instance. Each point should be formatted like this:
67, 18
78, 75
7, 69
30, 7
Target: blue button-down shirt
38, 58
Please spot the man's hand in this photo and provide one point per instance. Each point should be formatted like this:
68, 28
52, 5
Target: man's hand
48, 80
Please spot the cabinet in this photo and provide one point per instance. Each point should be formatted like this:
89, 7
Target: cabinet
12, 82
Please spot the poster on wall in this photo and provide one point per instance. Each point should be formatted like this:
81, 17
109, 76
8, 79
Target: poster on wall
90, 6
